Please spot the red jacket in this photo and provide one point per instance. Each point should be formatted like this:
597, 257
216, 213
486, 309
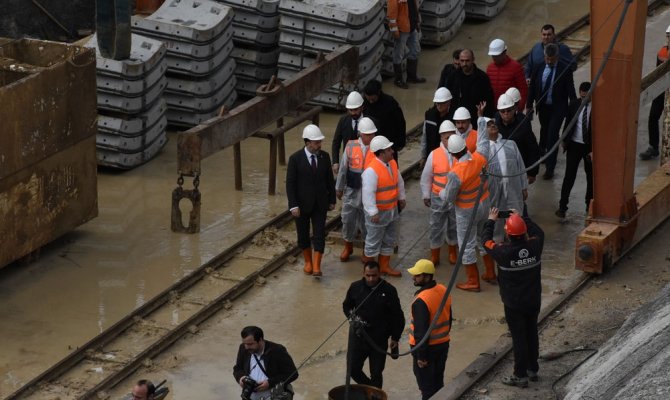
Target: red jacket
506, 75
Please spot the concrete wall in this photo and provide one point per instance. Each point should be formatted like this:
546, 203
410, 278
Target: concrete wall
21, 18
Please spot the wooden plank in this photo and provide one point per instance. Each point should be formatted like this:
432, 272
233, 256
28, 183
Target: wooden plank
655, 83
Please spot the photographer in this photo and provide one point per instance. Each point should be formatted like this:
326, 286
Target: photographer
262, 365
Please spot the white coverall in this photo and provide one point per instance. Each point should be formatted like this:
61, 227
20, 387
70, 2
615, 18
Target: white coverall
463, 215
381, 236
442, 220
353, 217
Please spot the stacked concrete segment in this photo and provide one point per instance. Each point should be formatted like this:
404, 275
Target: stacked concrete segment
483, 9
198, 36
312, 26
441, 20
131, 109
256, 41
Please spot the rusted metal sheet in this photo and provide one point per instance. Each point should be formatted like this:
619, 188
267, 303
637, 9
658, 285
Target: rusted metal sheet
218, 133
48, 182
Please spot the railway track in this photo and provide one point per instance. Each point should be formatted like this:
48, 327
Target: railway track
149, 330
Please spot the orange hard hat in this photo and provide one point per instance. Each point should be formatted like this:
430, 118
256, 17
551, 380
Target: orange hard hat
515, 225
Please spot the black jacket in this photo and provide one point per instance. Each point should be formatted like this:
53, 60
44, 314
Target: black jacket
306, 189
469, 90
447, 71
344, 132
381, 311
572, 110
431, 127
519, 266
563, 91
278, 364
422, 321
524, 138
389, 119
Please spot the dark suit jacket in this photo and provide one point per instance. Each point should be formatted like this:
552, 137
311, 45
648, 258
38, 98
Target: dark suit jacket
388, 118
572, 110
308, 190
278, 364
344, 132
562, 93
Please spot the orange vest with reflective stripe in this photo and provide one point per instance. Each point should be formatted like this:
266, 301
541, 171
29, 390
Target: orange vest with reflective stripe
387, 184
468, 172
433, 297
471, 141
441, 168
356, 162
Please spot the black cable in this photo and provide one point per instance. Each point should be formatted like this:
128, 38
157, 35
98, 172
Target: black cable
553, 385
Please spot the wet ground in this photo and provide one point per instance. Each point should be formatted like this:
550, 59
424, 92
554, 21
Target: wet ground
84, 283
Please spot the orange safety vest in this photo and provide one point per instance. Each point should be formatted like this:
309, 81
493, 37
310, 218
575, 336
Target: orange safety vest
468, 172
357, 163
433, 297
471, 141
662, 55
387, 184
441, 168
397, 13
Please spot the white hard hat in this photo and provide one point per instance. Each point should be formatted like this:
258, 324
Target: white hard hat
461, 114
514, 94
366, 126
447, 126
456, 144
668, 30
312, 132
441, 95
379, 143
497, 47
505, 101
354, 100
487, 120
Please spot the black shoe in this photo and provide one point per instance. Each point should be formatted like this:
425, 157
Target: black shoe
401, 84
560, 213
649, 154
532, 376
548, 175
514, 380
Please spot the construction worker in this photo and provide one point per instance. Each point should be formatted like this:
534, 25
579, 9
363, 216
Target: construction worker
404, 24
433, 179
514, 125
355, 159
462, 120
430, 358
656, 109
383, 197
347, 126
508, 184
519, 262
433, 118
463, 187
310, 188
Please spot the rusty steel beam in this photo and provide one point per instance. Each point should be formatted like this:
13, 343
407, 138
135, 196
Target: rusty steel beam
241, 122
615, 217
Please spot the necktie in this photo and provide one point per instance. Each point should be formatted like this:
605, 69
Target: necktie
313, 163
549, 84
585, 123
356, 128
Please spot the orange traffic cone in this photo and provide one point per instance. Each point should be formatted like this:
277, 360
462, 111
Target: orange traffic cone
472, 284
385, 266
453, 253
490, 275
317, 264
435, 256
346, 252
307, 255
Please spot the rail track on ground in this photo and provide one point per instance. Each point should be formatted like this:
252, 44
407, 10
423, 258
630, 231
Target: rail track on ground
149, 330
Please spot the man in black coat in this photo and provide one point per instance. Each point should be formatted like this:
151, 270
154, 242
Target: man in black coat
519, 261
450, 68
514, 125
373, 304
433, 118
347, 126
267, 363
577, 146
552, 88
387, 115
470, 86
310, 188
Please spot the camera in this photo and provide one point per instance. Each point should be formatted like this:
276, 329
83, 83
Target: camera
248, 387
504, 213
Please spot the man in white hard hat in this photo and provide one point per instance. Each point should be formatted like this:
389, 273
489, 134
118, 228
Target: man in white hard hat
310, 188
536, 54
513, 125
347, 127
430, 357
515, 94
470, 86
433, 118
462, 120
656, 109
355, 159
464, 185
383, 198
433, 180
505, 72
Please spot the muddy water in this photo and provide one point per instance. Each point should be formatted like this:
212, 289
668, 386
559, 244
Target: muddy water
94, 276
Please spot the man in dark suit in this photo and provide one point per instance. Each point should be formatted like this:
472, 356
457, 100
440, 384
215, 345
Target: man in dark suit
552, 88
387, 115
310, 188
577, 145
347, 126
